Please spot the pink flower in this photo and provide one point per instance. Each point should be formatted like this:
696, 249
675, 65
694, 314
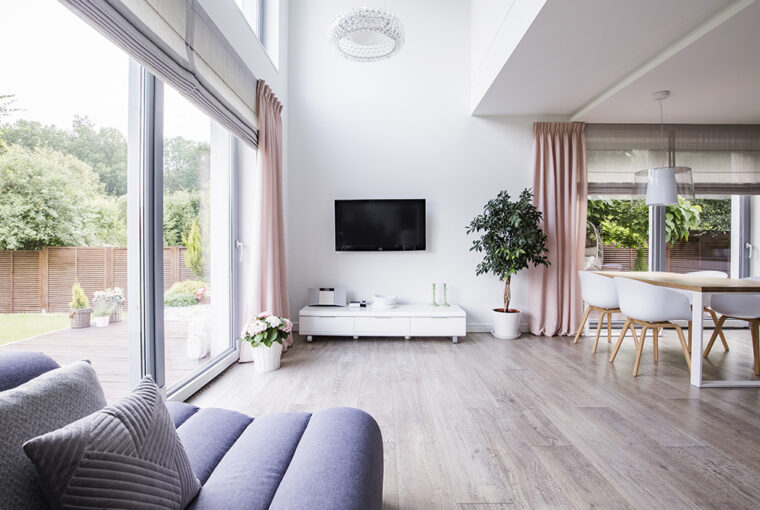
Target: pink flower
263, 315
286, 326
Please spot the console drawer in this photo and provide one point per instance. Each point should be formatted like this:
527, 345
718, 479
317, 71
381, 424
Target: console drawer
438, 326
382, 326
326, 325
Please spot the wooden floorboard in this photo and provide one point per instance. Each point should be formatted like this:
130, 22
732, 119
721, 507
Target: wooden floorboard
528, 423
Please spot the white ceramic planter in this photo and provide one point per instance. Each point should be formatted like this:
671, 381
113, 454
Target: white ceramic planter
246, 352
506, 325
101, 322
266, 359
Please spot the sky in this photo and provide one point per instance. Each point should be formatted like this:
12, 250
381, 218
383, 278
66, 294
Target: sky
57, 66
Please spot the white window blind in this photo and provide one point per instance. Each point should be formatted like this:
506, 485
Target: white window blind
177, 41
725, 159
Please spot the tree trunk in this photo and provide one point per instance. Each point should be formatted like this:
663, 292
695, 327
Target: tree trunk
641, 261
507, 293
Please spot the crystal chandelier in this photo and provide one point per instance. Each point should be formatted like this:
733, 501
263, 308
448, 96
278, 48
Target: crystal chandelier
366, 34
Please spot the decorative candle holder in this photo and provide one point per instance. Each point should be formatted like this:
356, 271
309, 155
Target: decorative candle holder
434, 303
445, 290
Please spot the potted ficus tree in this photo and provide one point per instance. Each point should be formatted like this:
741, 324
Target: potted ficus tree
511, 240
265, 333
80, 308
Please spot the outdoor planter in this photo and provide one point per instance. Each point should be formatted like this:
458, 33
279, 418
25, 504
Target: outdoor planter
115, 315
101, 321
80, 318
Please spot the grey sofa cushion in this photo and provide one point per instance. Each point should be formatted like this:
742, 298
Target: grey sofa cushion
45, 403
127, 455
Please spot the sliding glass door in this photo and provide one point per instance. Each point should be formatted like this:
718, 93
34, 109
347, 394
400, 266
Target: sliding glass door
197, 255
182, 167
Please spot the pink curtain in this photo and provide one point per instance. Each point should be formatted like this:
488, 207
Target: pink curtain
559, 187
273, 281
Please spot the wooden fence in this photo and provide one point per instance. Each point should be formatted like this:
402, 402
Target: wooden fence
699, 253
35, 281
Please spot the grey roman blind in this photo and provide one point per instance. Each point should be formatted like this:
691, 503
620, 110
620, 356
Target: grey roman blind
177, 41
725, 159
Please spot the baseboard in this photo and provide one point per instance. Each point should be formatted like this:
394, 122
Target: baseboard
486, 327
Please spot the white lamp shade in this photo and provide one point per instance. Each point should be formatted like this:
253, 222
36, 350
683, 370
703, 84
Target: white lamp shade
661, 188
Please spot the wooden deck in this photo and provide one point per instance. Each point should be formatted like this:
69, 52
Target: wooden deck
106, 348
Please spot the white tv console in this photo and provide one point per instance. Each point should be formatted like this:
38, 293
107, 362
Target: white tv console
403, 320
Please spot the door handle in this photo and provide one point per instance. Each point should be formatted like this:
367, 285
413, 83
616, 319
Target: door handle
240, 246
749, 249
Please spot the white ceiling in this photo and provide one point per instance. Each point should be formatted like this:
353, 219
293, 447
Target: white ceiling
601, 60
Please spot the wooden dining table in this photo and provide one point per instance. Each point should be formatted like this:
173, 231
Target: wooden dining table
701, 288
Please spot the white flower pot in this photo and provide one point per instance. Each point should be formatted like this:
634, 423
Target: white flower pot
246, 352
266, 359
506, 325
101, 322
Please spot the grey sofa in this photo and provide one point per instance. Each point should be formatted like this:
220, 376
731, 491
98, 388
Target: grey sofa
330, 459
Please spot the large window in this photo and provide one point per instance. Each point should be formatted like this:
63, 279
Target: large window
253, 11
707, 232
115, 208
63, 190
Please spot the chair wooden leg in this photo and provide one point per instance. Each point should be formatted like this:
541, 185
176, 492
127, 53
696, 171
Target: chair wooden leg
684, 346
583, 323
655, 338
633, 333
718, 331
620, 340
755, 326
598, 332
609, 327
639, 351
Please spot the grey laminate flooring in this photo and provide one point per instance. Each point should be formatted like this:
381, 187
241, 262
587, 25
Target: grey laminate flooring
528, 423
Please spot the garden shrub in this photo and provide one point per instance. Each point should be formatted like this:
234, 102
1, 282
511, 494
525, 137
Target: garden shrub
183, 293
187, 287
180, 299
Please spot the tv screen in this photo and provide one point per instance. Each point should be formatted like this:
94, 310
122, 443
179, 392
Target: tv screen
379, 225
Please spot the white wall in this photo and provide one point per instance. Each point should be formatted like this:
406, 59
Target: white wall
486, 19
496, 28
399, 128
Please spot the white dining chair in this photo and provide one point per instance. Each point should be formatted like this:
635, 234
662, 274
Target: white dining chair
741, 307
600, 294
706, 302
650, 307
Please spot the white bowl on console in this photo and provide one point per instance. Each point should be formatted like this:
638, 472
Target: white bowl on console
383, 302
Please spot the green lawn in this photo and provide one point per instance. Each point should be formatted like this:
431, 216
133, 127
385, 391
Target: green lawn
16, 326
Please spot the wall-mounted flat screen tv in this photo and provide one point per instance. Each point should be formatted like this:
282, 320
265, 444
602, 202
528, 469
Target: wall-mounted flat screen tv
379, 225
